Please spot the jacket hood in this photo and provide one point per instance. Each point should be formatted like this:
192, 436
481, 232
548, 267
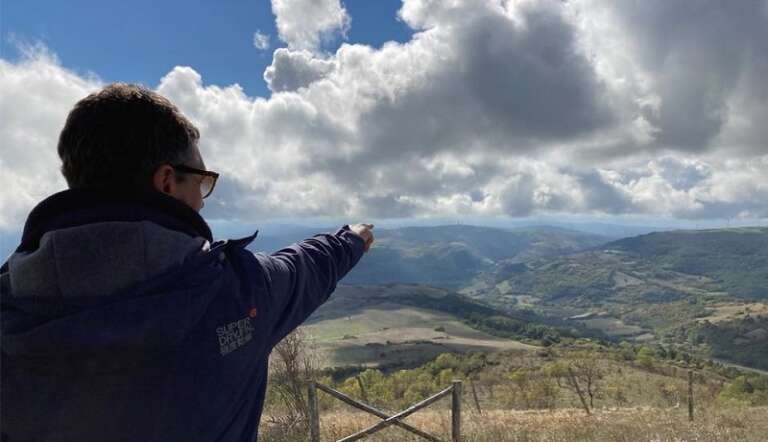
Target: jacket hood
111, 279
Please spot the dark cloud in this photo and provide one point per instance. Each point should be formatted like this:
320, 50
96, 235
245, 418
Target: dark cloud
291, 70
387, 206
531, 80
477, 195
681, 175
506, 86
517, 196
698, 54
601, 196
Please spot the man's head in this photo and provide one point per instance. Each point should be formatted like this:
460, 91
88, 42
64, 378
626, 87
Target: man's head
128, 137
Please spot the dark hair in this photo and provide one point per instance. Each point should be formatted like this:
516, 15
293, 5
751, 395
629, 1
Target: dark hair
118, 136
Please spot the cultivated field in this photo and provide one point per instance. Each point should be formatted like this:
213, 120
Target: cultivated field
725, 311
392, 333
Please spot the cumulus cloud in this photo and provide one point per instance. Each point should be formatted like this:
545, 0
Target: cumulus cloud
492, 108
510, 80
261, 41
691, 66
306, 24
36, 94
291, 70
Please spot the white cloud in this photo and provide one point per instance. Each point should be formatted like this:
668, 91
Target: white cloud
291, 70
306, 24
36, 94
517, 108
261, 41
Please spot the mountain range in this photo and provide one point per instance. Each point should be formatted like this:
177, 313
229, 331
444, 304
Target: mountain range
698, 290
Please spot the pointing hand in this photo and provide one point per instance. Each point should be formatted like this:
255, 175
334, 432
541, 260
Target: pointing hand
364, 231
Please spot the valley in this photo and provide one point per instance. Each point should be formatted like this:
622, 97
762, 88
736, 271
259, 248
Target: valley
699, 292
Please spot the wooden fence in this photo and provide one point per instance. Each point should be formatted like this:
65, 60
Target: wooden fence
314, 415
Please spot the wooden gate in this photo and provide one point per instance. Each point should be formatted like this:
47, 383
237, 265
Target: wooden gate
314, 416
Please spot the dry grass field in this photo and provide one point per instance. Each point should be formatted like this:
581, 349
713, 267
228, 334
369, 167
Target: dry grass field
634, 402
563, 425
725, 311
395, 334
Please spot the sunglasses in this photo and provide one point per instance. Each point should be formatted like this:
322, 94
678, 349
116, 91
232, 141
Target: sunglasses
206, 184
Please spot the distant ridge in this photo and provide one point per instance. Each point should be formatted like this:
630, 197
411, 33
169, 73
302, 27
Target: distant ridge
450, 255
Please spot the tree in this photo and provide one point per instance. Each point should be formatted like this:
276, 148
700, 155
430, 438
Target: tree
582, 375
645, 357
292, 364
535, 387
446, 360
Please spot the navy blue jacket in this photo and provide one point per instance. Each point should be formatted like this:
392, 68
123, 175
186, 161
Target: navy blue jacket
122, 320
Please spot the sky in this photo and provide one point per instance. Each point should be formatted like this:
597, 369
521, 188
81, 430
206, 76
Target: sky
414, 109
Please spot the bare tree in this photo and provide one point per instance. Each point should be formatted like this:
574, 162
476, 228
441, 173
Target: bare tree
582, 375
589, 370
292, 363
521, 380
573, 382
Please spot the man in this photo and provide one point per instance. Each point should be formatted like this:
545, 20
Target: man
122, 320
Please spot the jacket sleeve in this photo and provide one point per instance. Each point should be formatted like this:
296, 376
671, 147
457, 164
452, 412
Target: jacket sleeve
302, 276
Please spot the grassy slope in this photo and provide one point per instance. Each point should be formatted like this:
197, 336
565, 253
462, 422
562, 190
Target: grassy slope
635, 403
736, 258
397, 324
620, 425
662, 283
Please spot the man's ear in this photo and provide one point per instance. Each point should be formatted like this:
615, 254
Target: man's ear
164, 180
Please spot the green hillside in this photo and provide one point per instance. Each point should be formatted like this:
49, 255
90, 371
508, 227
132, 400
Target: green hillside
736, 259
448, 256
660, 286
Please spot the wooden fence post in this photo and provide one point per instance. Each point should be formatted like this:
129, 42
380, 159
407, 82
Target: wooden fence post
456, 412
363, 393
474, 395
690, 395
314, 415
387, 420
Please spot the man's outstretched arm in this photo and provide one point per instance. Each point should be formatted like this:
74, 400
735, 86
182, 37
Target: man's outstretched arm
303, 275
